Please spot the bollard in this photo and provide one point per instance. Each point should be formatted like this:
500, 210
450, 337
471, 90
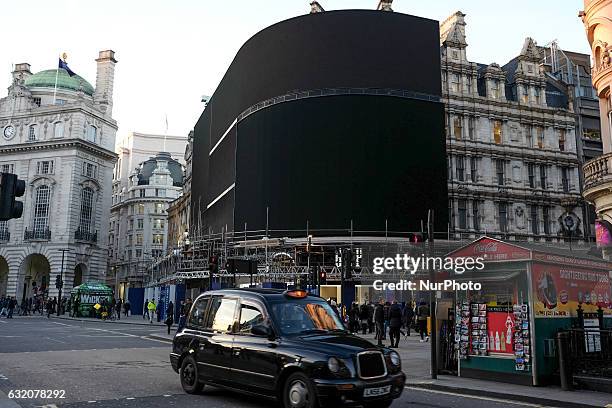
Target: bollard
565, 371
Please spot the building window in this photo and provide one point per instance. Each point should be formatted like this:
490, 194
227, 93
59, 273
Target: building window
58, 129
91, 133
158, 223
540, 131
546, 219
130, 225
495, 89
499, 169
460, 160
562, 140
90, 170
525, 94
458, 127
140, 223
130, 240
37, 101
139, 253
142, 193
450, 166
140, 209
565, 179
455, 82
471, 127
474, 169
7, 168
503, 216
462, 211
476, 214
497, 131
543, 177
159, 208
41, 209
32, 133
536, 92
468, 84
158, 239
139, 239
455, 54
44, 167
528, 135
535, 221
86, 209
531, 174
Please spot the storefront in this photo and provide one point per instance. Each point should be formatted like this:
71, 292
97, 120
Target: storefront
506, 331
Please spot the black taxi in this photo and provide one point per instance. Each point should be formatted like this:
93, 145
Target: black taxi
286, 345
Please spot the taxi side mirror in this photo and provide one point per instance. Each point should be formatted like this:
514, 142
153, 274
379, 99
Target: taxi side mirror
261, 330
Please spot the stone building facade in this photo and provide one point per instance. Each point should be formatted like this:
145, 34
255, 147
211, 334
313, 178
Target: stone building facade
57, 133
597, 19
512, 156
179, 211
139, 220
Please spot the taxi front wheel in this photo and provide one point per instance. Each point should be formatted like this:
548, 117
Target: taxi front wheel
299, 392
189, 376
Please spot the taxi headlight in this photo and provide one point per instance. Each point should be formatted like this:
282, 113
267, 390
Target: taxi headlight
395, 359
333, 365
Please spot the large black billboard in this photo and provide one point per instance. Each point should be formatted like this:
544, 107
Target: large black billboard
360, 50
334, 159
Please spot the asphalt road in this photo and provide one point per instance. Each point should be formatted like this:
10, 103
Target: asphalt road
108, 365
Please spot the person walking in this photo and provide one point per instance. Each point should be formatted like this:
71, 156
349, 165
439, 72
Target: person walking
354, 318
408, 317
364, 315
49, 308
379, 322
145, 309
184, 312
151, 308
12, 303
169, 315
75, 307
422, 315
127, 306
395, 323
118, 308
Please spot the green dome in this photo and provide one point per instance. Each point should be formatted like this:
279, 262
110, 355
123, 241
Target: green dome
46, 79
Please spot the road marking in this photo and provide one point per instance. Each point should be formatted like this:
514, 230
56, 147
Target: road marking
58, 341
62, 324
456, 394
130, 398
1, 321
2, 377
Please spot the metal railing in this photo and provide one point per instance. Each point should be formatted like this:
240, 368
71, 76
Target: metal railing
38, 234
80, 235
5, 235
590, 352
597, 171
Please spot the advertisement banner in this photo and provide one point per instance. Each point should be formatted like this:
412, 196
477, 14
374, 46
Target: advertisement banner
603, 233
560, 289
500, 323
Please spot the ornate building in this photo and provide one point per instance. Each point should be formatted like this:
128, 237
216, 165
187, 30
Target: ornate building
179, 211
597, 19
512, 156
57, 134
138, 222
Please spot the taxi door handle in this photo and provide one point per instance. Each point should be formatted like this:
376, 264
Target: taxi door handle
237, 351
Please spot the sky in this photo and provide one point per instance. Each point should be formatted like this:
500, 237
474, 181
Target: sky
171, 52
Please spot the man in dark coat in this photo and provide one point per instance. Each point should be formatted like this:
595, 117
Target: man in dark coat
169, 316
364, 317
395, 323
422, 315
379, 321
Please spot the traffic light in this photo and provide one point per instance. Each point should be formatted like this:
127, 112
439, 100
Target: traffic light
322, 278
416, 237
314, 275
10, 188
58, 282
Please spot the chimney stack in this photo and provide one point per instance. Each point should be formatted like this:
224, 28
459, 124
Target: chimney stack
21, 72
315, 7
105, 77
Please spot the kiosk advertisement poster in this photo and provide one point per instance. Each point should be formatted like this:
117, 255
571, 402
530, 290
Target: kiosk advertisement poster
500, 326
560, 289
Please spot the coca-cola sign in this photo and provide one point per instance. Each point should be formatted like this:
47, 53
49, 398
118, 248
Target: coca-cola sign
486, 247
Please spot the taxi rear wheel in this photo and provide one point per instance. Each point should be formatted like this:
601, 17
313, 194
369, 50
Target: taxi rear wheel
189, 376
299, 392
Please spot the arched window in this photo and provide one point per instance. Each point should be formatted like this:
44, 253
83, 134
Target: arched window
41, 209
32, 133
91, 133
58, 129
86, 209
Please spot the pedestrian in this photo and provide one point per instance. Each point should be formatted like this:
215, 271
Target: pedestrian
69, 306
184, 312
54, 305
145, 309
49, 307
12, 303
371, 318
75, 307
127, 305
3, 307
386, 310
379, 322
422, 315
408, 317
118, 308
151, 308
395, 323
354, 318
169, 315
364, 314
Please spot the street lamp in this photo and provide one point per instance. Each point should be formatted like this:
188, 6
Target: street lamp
60, 283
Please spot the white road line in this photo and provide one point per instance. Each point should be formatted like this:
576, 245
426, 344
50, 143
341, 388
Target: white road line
130, 398
58, 341
503, 401
1, 321
62, 324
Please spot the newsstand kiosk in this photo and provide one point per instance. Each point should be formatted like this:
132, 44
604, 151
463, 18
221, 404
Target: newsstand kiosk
506, 331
